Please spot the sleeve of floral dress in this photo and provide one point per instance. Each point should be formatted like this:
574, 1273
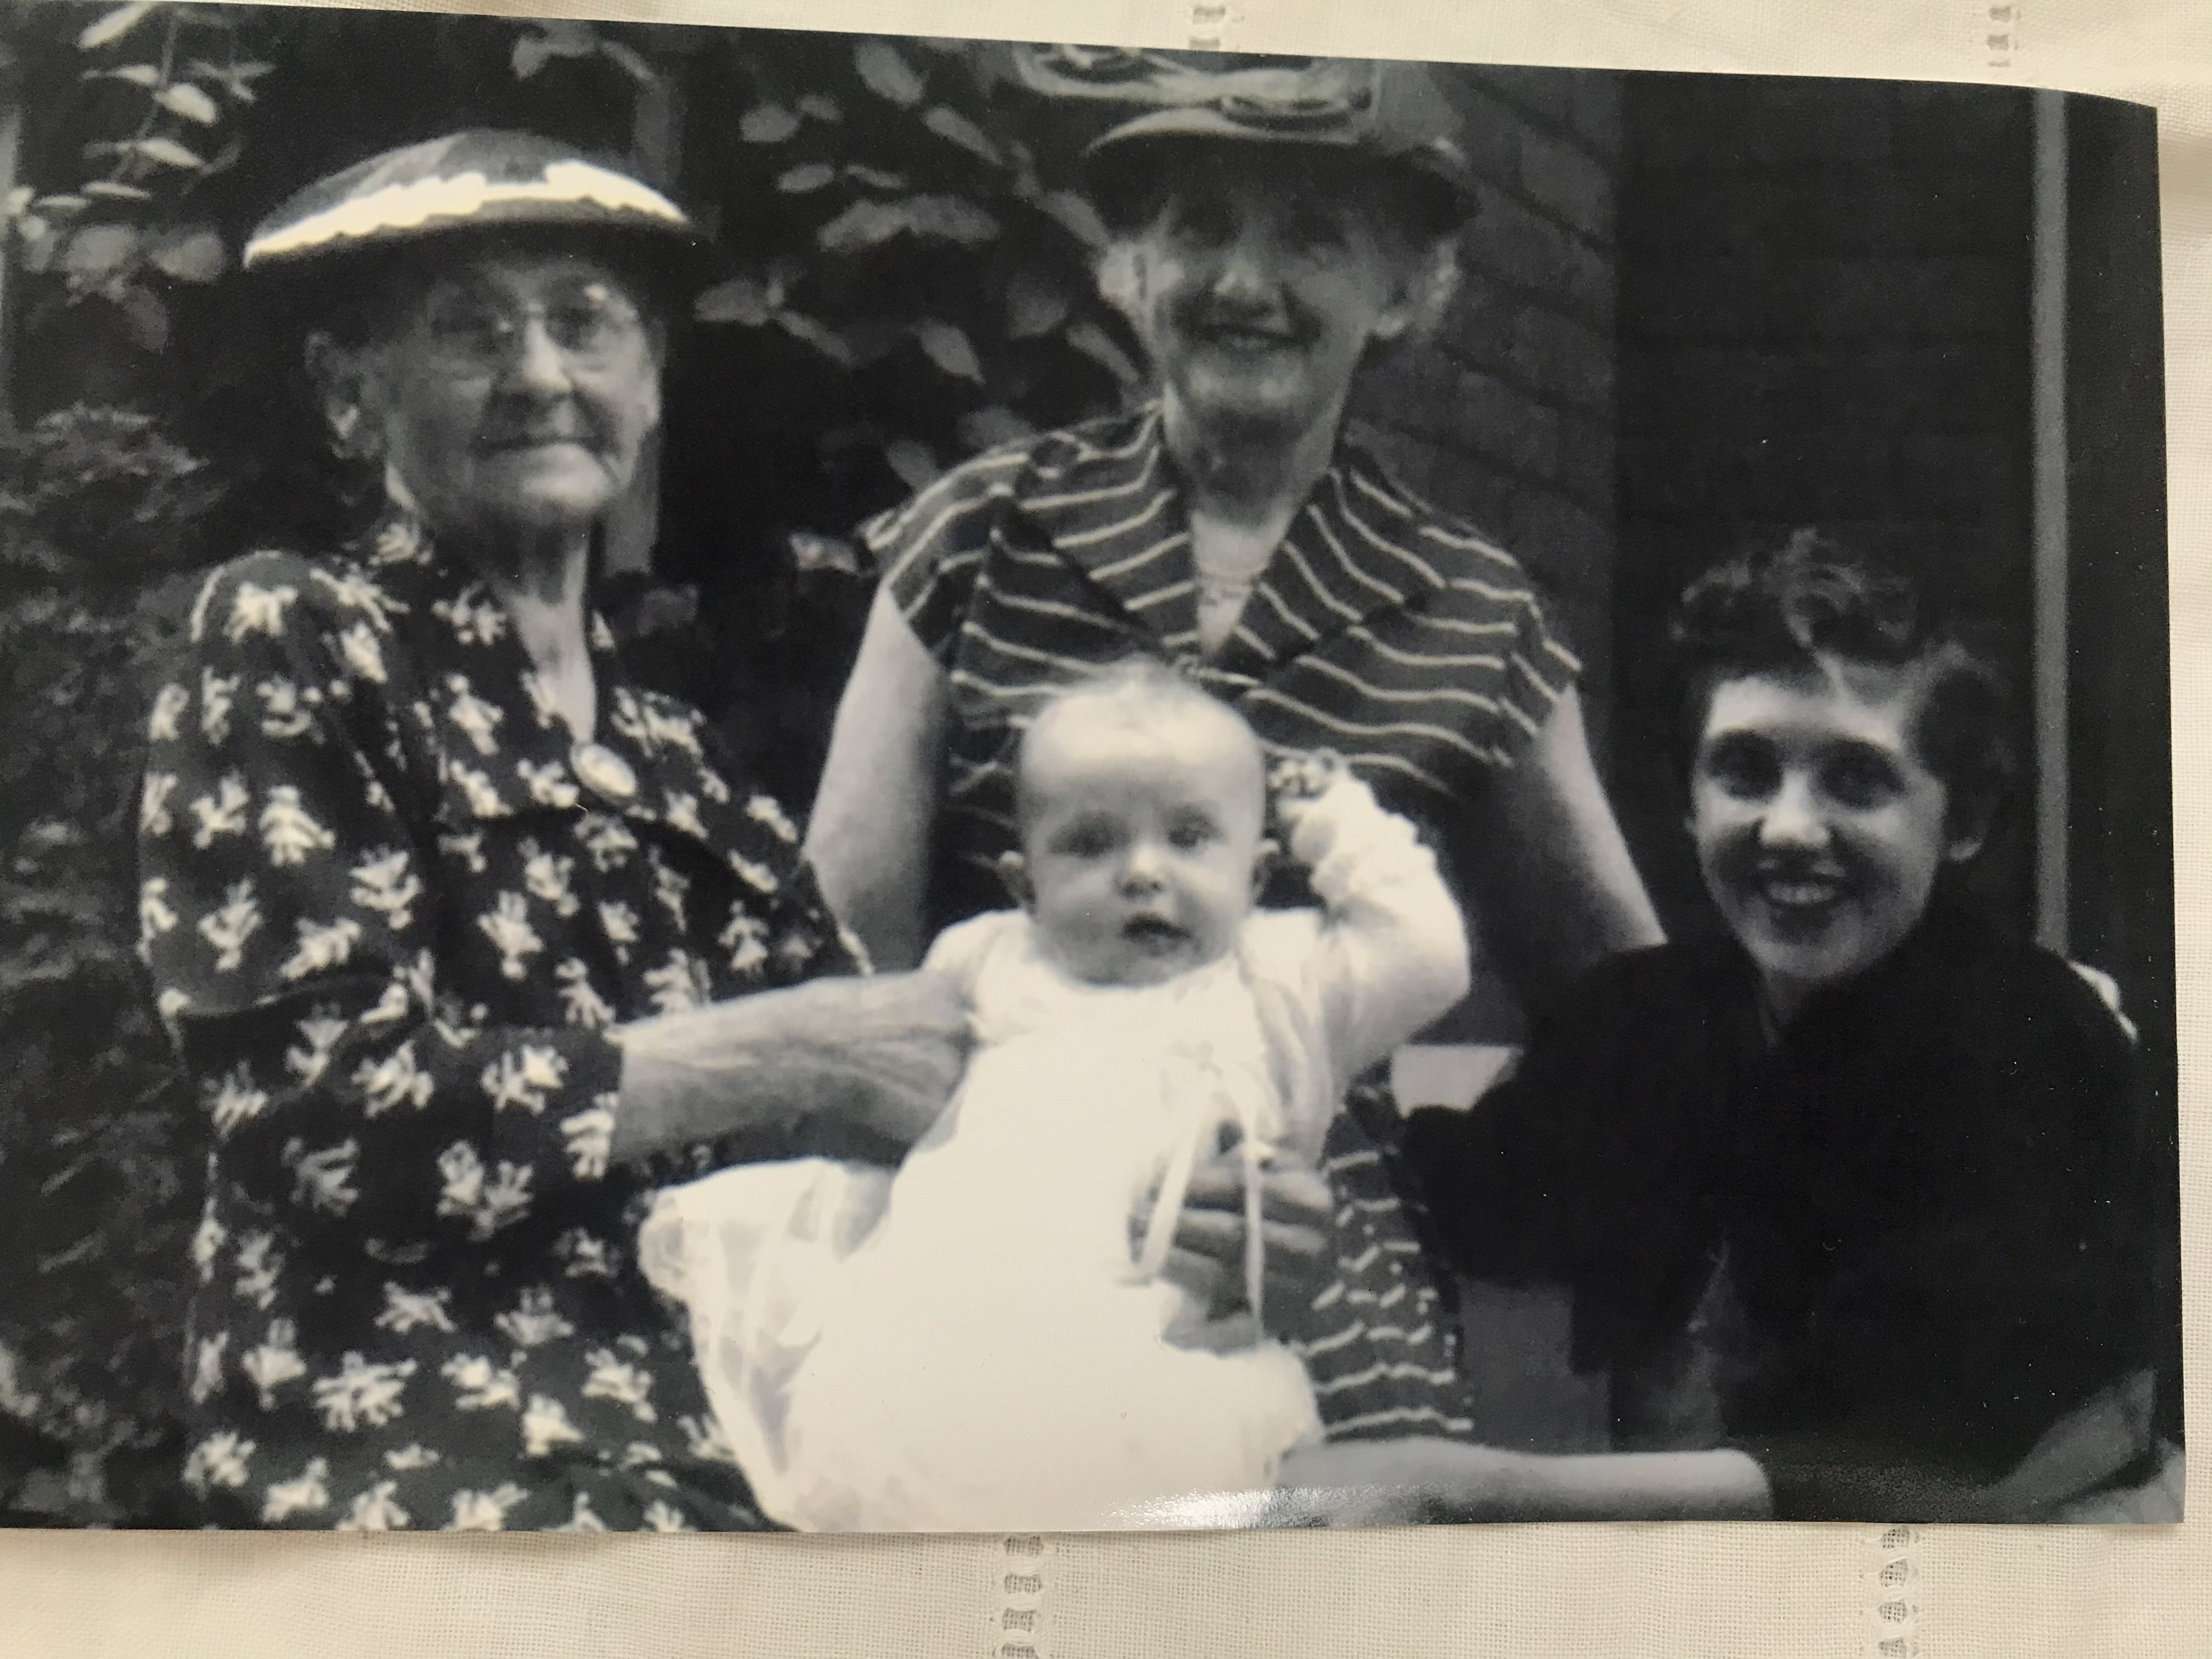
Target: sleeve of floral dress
285, 923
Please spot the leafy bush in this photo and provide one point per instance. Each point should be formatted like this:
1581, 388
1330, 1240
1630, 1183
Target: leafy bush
907, 279
97, 1185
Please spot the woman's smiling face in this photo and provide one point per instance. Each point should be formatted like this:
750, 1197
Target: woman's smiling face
1819, 828
1255, 293
516, 393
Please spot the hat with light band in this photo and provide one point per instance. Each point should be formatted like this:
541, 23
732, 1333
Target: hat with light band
476, 182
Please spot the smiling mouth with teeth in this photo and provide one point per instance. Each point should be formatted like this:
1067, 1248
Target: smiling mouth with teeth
1800, 892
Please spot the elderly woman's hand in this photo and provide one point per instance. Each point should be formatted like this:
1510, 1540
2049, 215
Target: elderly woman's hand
1207, 1259
830, 1060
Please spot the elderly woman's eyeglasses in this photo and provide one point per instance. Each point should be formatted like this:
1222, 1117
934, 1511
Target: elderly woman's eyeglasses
478, 332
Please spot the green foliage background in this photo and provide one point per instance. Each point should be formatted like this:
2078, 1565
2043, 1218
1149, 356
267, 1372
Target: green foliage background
905, 278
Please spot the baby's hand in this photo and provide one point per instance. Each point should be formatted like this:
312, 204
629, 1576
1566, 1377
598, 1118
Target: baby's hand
1300, 778
1328, 816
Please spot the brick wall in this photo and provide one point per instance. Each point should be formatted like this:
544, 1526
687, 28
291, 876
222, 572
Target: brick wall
1506, 417
1822, 319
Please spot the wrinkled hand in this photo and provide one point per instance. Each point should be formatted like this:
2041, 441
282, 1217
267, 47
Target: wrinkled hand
1207, 1259
876, 1058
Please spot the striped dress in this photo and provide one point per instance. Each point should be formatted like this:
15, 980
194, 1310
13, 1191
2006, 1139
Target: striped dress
1379, 628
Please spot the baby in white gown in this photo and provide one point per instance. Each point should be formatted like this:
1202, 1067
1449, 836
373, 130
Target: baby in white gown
979, 1341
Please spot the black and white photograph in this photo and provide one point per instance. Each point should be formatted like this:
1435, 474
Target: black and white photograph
765, 780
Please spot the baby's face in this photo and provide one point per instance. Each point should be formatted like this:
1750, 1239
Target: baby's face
1141, 839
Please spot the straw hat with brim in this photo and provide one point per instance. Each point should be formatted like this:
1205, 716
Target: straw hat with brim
468, 185
1390, 119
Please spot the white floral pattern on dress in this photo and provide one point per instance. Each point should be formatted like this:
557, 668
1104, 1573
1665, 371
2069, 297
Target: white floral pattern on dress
229, 927
274, 1362
207, 1365
347, 773
479, 1385
166, 721
323, 1179
394, 1081
376, 1510
362, 653
217, 693
286, 711
536, 1321
304, 1493
155, 915
548, 876
258, 609
221, 811
386, 883
507, 924
679, 984
484, 1511
355, 591
322, 945
546, 1424
233, 1099
614, 1378
523, 1077
581, 1005
363, 1394
549, 784
478, 719
406, 1309
489, 1204
154, 794
221, 1460
259, 1264
321, 1032
286, 830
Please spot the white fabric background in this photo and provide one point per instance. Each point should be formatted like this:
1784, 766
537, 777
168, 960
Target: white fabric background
1808, 1592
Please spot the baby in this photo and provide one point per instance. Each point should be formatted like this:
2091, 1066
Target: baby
974, 1343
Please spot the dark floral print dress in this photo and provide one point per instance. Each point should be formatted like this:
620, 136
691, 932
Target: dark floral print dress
391, 910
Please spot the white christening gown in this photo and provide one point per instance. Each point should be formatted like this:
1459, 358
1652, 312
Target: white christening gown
973, 1343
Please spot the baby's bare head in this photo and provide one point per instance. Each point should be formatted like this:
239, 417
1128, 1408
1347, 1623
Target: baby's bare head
1140, 708
1142, 805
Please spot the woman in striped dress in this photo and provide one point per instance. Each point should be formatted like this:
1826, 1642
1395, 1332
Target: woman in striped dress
1231, 528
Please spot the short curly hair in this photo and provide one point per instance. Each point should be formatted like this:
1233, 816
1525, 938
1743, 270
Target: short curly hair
1784, 606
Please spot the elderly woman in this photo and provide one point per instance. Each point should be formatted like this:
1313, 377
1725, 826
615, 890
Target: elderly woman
1266, 240
451, 920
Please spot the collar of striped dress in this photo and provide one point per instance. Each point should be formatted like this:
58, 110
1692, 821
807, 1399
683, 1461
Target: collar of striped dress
1106, 494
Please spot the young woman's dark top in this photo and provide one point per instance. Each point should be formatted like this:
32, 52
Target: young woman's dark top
1928, 1192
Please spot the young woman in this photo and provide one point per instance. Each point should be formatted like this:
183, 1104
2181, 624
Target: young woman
1893, 1164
